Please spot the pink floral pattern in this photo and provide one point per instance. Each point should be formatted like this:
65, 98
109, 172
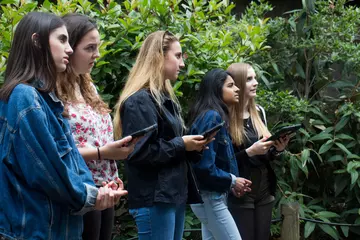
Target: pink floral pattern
91, 129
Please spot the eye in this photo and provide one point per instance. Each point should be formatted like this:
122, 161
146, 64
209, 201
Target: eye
63, 38
91, 48
178, 55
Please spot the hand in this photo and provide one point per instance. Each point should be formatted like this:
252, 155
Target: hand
260, 147
242, 185
195, 142
107, 197
114, 185
118, 149
281, 143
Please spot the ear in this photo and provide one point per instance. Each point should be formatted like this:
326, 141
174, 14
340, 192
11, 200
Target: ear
35, 40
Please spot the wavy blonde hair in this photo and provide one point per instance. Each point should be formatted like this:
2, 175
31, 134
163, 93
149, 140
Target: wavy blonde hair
147, 73
239, 71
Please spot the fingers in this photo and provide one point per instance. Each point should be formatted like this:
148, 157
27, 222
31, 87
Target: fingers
124, 141
198, 137
120, 183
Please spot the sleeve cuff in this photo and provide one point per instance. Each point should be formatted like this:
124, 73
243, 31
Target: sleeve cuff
91, 194
233, 180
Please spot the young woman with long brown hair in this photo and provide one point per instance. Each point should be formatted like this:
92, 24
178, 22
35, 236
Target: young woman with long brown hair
89, 118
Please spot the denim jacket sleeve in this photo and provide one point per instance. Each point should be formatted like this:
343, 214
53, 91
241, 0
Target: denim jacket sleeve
138, 112
206, 169
48, 164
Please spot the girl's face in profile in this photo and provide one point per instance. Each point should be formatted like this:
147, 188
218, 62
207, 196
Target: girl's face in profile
60, 48
251, 84
86, 52
230, 91
173, 61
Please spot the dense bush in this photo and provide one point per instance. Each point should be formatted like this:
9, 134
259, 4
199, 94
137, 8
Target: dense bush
308, 64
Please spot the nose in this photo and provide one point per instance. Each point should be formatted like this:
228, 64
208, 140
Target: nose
68, 49
97, 53
236, 88
182, 64
255, 82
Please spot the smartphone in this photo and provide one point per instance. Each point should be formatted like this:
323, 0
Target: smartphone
142, 132
210, 131
282, 132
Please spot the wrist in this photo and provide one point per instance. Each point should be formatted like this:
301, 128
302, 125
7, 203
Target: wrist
249, 152
99, 156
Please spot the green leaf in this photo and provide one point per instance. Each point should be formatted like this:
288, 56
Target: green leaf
345, 230
341, 182
330, 231
343, 121
336, 158
321, 136
326, 146
308, 229
300, 70
354, 177
342, 147
327, 214
344, 136
305, 154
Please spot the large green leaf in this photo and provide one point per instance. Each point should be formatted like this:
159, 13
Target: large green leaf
326, 146
308, 229
342, 147
330, 231
321, 136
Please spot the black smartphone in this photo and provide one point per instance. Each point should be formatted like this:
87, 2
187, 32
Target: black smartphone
210, 131
282, 132
142, 132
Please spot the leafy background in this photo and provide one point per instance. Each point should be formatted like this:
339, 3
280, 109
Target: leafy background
307, 61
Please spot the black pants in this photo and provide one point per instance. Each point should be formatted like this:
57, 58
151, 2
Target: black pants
252, 212
253, 223
98, 225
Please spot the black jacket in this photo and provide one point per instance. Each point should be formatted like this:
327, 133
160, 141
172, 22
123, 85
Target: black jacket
156, 170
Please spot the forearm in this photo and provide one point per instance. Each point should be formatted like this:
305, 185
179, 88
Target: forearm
90, 153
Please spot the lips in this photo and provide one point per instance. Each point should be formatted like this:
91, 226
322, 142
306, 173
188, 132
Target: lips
66, 60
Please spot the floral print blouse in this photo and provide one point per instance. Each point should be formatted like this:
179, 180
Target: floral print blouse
91, 129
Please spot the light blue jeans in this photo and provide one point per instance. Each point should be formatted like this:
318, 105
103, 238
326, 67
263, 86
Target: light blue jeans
216, 220
163, 221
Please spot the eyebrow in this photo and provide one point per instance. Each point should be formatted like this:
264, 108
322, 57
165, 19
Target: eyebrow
64, 36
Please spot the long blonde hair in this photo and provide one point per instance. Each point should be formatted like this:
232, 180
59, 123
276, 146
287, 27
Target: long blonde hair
147, 73
239, 71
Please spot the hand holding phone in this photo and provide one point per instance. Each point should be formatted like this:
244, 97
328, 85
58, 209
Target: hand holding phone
142, 132
212, 130
284, 131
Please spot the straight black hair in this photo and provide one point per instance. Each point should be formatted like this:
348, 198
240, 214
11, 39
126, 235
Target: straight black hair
30, 57
210, 96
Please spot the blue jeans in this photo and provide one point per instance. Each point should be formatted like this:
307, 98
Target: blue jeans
216, 220
163, 221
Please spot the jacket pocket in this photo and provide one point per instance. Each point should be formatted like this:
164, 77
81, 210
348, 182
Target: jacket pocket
63, 147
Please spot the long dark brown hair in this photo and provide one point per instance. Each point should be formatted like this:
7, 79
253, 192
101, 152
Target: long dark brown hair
30, 57
78, 26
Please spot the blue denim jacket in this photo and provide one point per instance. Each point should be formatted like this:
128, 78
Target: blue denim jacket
44, 182
217, 162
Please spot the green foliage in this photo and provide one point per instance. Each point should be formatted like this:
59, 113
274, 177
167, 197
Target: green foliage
308, 59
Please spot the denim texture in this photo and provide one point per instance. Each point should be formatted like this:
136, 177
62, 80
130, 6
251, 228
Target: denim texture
218, 162
162, 221
45, 183
217, 222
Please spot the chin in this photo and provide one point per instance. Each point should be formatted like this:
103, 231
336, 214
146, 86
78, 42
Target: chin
61, 68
